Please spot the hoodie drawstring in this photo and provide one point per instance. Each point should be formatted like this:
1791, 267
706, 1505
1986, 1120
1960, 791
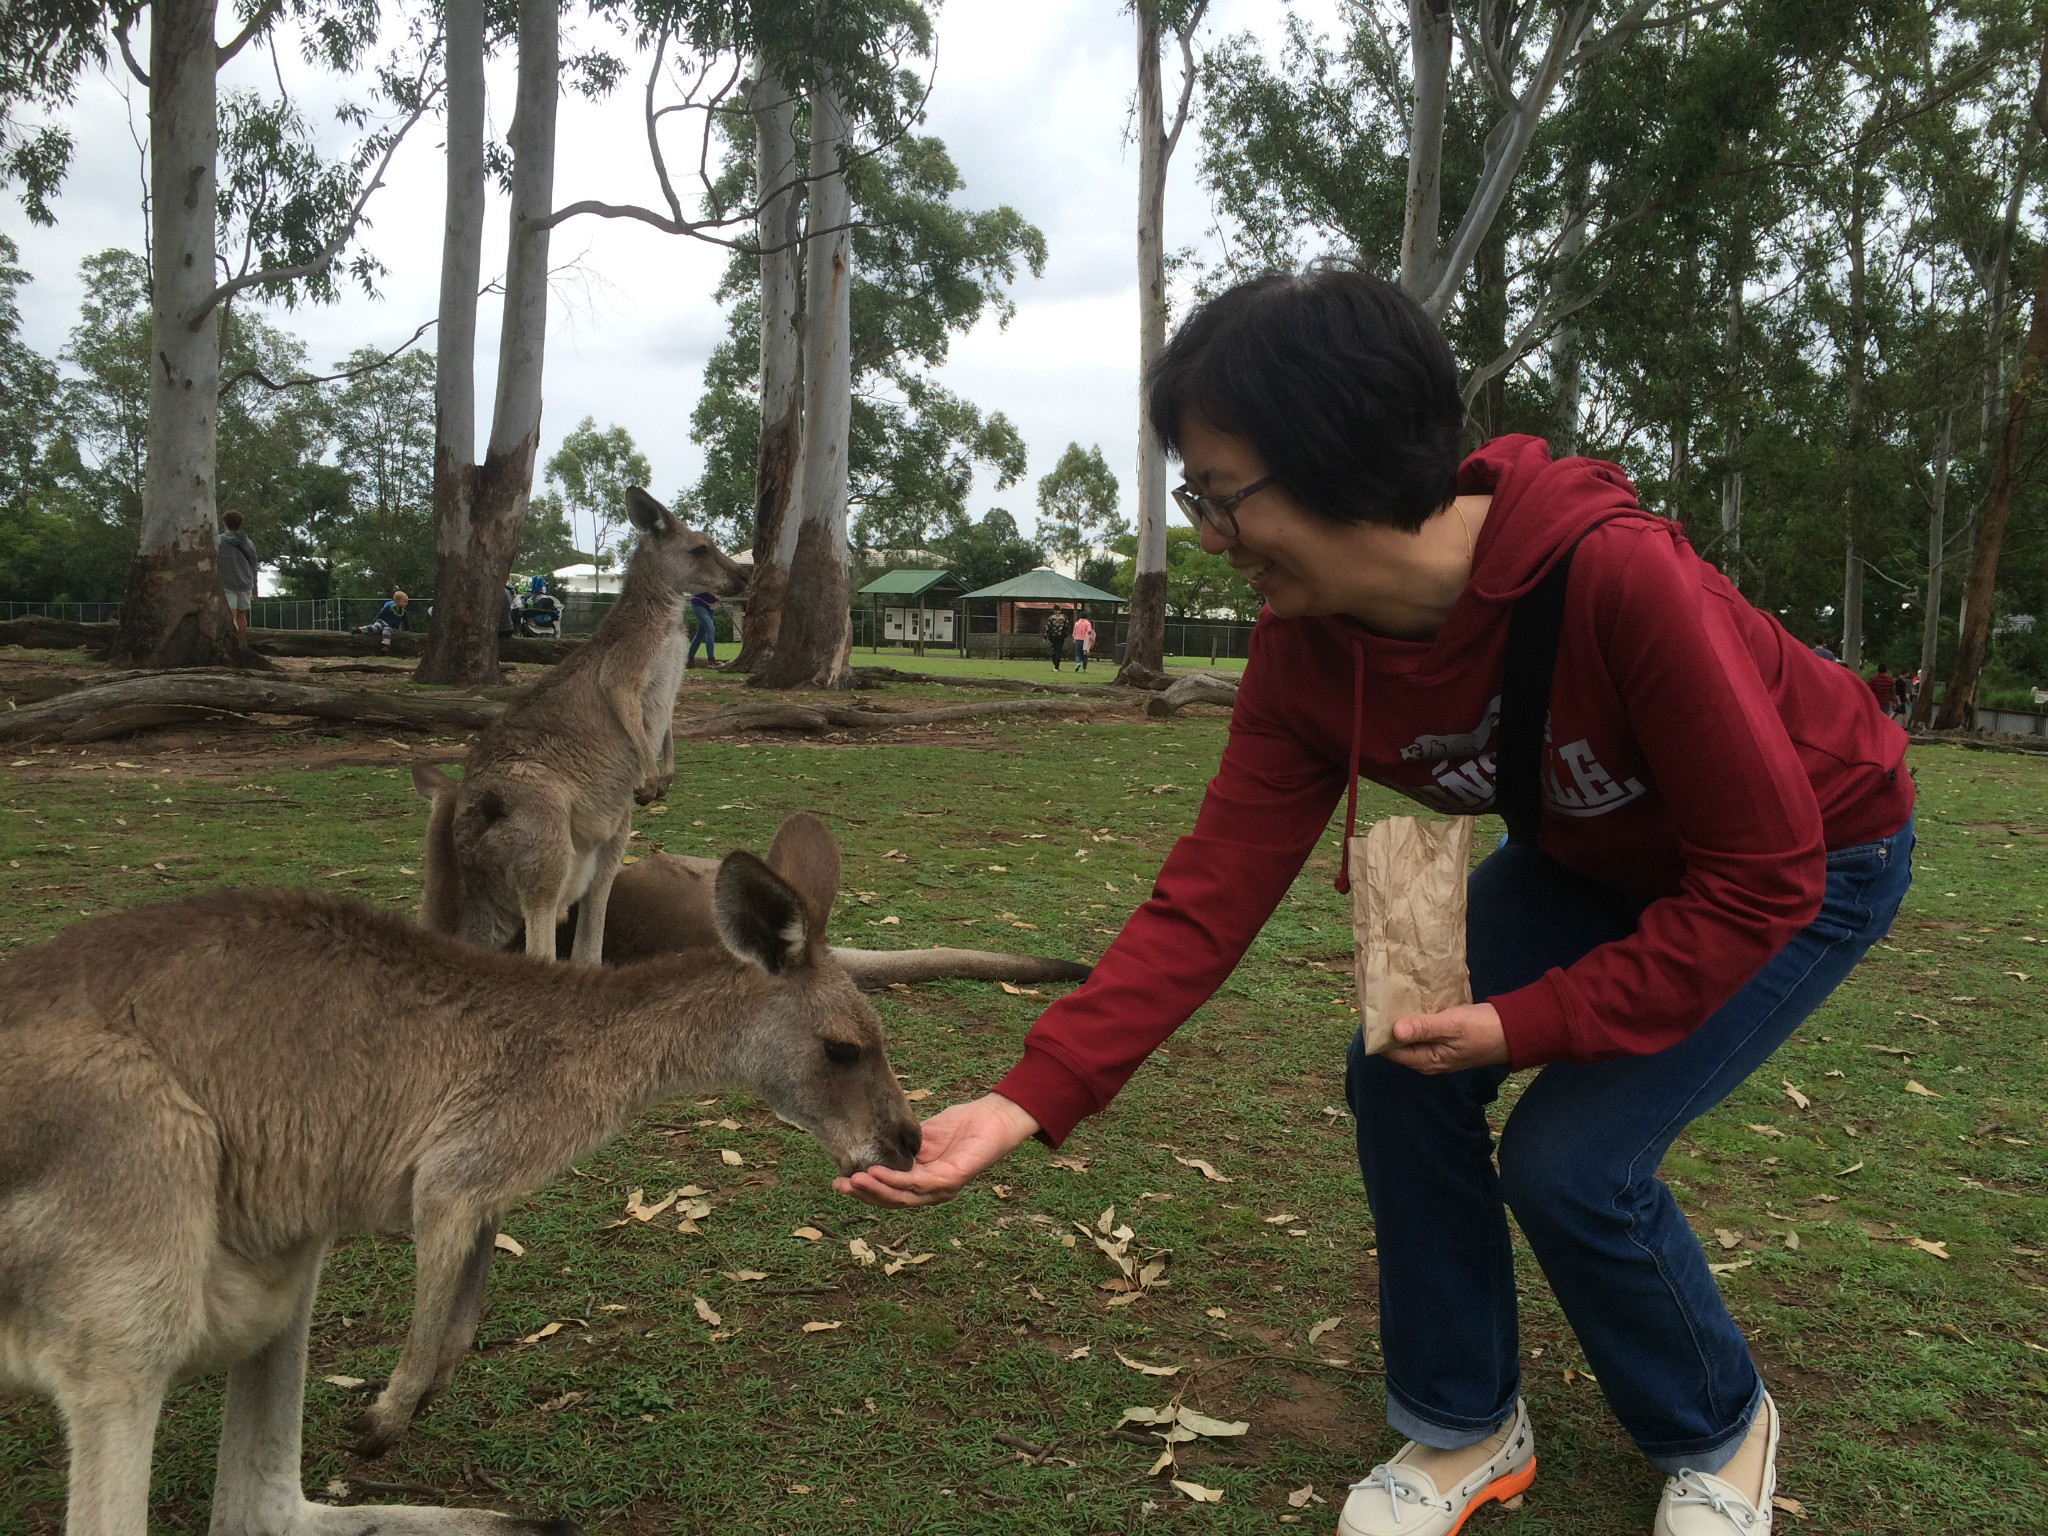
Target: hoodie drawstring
1343, 880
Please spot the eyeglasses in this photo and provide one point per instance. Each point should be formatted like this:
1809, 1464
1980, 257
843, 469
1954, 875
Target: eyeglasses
1218, 512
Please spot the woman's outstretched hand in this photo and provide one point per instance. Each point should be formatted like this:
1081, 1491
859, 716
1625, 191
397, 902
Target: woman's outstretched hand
958, 1143
1466, 1036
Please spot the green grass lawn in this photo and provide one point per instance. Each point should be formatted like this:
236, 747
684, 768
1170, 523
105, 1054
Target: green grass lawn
1036, 668
1914, 1386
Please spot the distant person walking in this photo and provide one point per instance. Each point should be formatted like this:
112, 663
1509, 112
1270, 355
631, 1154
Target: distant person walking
703, 628
1056, 626
1886, 689
1084, 641
237, 569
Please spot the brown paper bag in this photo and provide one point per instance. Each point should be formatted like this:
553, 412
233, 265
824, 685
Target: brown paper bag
1408, 919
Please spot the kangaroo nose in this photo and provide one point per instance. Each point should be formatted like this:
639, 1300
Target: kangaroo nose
908, 1139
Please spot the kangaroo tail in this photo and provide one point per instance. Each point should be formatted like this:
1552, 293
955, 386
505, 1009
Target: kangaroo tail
872, 969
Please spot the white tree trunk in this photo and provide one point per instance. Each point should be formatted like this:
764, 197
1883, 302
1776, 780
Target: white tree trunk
1429, 43
816, 630
779, 228
174, 613
1147, 640
461, 648
1731, 443
1937, 540
522, 342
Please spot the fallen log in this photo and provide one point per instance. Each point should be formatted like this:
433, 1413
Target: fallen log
1201, 688
135, 703
881, 677
46, 634
835, 717
2023, 746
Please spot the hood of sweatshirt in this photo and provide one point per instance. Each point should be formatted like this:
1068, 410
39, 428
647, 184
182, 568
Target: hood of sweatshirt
1541, 507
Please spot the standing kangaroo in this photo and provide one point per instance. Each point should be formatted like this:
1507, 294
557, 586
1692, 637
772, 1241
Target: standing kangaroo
541, 818
411, 1079
662, 905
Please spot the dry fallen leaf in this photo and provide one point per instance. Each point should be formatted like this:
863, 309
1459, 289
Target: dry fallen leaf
1723, 1269
730, 1158
1300, 1497
1939, 1250
346, 1383
744, 1274
1798, 1098
918, 1095
1844, 1172
1922, 1089
808, 1234
1202, 1167
704, 1311
1728, 1239
546, 1333
1764, 1130
1791, 1507
1325, 1326
1032, 926
1215, 1429
1018, 991
1274, 1221
1792, 1241
821, 1327
1216, 1312
861, 1251
1079, 1354
1071, 1164
1148, 1370
886, 922
1198, 1493
799, 1487
640, 1210
511, 1245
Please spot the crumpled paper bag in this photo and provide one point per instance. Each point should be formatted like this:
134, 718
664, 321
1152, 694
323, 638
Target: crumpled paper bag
1408, 919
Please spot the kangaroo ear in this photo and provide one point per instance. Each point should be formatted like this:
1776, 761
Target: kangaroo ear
649, 515
760, 917
805, 855
430, 783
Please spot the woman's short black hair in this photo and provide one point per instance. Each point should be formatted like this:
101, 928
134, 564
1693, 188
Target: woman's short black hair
1338, 379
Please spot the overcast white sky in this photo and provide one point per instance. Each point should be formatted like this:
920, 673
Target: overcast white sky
1032, 101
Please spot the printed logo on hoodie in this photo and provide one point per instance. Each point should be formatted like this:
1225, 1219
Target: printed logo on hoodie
1464, 771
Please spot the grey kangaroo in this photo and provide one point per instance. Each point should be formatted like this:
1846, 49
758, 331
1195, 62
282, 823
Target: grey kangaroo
540, 820
661, 905
413, 1080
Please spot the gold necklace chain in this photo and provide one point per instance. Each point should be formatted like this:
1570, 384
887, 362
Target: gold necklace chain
1470, 544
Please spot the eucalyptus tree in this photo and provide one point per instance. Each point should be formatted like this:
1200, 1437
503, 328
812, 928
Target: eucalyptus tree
1077, 504
1157, 140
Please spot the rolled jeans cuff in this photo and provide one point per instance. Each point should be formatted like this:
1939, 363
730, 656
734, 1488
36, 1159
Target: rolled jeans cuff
1439, 1436
1714, 1457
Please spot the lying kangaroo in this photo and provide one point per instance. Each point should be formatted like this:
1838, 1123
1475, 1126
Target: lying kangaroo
540, 821
412, 1080
661, 905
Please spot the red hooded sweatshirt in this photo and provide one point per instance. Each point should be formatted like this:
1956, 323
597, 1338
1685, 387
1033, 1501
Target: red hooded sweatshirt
1698, 758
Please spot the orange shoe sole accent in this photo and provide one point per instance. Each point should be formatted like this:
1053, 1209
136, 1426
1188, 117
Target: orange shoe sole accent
1502, 1489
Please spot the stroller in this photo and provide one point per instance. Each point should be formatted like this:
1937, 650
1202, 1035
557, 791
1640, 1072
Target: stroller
539, 617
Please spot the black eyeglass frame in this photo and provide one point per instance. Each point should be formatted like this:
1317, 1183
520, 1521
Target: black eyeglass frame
1218, 512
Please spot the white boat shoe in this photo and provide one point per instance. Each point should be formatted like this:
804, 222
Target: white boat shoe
1397, 1498
1701, 1504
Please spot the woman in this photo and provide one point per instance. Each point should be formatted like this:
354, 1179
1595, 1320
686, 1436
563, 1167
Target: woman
1725, 828
1084, 641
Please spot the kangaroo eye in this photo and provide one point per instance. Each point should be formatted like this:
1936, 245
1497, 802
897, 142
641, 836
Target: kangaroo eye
701, 549
841, 1053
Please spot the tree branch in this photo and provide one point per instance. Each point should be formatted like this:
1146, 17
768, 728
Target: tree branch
324, 259
122, 22
1186, 34
257, 375
266, 13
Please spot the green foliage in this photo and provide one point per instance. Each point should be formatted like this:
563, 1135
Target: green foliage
983, 553
590, 473
546, 543
925, 270
1199, 585
1077, 503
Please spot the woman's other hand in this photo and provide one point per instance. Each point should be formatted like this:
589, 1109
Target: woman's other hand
1466, 1036
958, 1143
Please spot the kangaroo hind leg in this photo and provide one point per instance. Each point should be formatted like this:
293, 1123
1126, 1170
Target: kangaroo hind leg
110, 1423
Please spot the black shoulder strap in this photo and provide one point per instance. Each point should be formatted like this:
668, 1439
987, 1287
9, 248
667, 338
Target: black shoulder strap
1533, 630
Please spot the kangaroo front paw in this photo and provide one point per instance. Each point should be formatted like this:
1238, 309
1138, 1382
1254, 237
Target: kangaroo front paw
654, 789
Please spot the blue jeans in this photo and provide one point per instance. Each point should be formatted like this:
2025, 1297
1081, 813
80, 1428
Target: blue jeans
704, 632
1080, 656
1578, 1163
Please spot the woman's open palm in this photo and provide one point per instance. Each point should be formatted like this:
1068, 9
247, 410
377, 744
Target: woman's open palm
959, 1142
